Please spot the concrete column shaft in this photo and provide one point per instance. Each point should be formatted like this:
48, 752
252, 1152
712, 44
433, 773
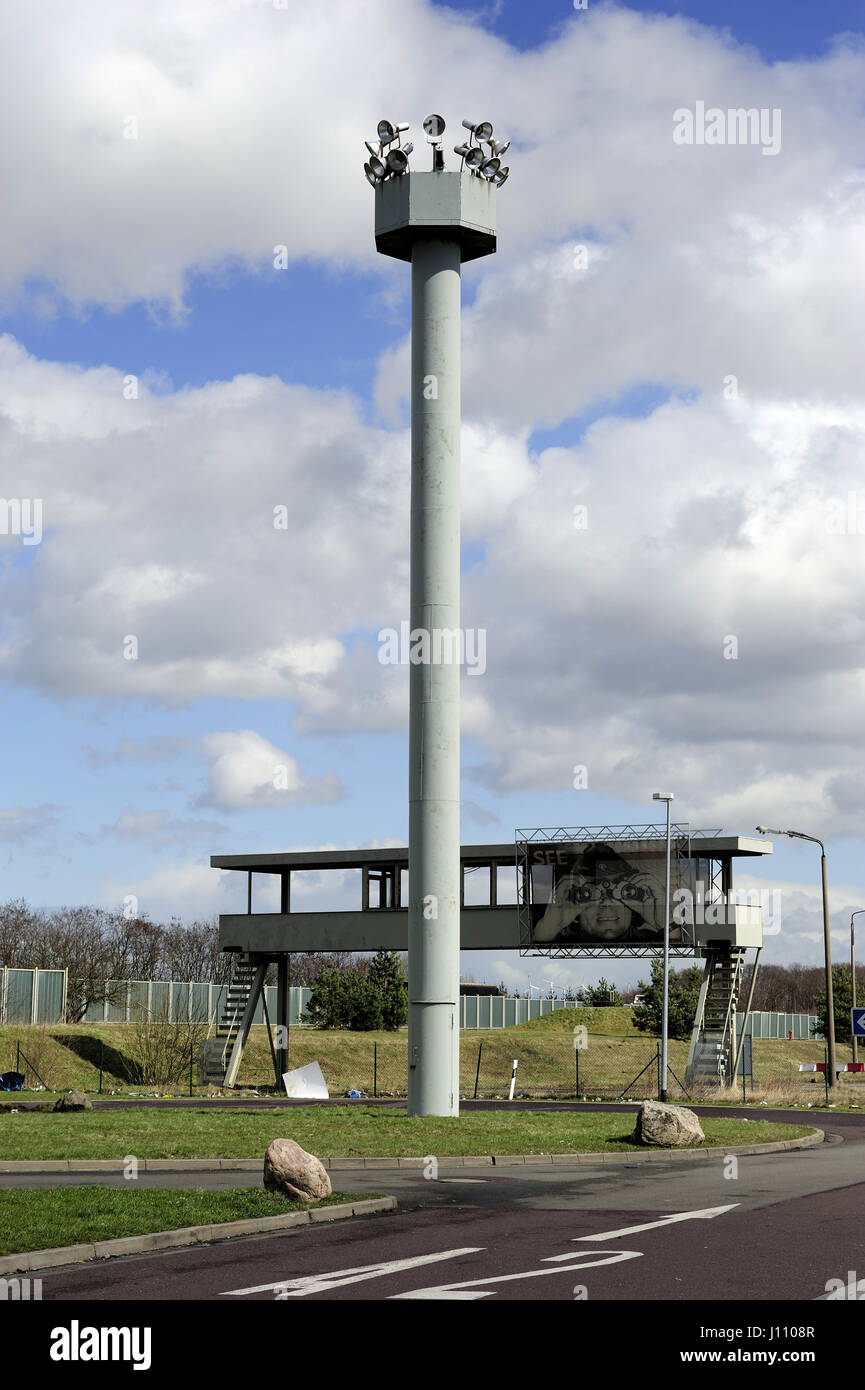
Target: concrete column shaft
434, 685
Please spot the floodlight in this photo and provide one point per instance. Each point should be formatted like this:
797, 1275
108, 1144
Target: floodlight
483, 131
499, 178
434, 127
490, 167
397, 160
386, 132
371, 148
370, 176
378, 167
500, 147
461, 150
475, 158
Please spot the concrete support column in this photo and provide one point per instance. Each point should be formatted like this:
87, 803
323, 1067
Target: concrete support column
282, 1003
434, 685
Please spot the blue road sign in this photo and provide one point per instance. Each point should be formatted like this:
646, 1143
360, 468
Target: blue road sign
858, 1018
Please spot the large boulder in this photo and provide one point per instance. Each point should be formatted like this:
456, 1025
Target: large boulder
289, 1169
667, 1126
74, 1100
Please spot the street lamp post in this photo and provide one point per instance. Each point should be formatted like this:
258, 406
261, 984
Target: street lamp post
832, 1078
665, 1006
853, 980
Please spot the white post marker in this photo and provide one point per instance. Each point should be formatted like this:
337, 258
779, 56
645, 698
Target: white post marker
513, 1079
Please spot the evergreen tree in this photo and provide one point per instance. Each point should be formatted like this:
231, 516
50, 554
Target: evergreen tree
391, 988
842, 1000
360, 1001
331, 1004
684, 994
599, 996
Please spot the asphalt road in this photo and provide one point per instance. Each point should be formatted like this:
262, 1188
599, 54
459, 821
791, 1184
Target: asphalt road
782, 1226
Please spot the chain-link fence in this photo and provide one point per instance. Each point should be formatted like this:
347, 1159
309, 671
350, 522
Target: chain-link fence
548, 1065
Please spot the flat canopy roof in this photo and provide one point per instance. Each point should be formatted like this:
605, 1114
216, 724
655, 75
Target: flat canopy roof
714, 847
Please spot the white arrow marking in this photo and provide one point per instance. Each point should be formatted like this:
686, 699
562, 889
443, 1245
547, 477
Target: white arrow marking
322, 1283
455, 1291
705, 1215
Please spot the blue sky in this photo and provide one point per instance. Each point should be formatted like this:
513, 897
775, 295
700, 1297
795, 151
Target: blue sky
777, 28
120, 779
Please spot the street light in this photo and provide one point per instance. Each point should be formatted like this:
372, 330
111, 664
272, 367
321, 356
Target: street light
665, 1007
481, 131
832, 1078
388, 132
397, 160
435, 220
853, 980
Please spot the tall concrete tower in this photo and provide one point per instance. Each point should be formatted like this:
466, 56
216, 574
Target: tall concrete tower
436, 220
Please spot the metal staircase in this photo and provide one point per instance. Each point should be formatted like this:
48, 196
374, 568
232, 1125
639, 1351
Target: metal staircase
219, 1057
713, 1040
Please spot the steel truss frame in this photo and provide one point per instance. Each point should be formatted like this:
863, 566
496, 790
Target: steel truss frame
681, 836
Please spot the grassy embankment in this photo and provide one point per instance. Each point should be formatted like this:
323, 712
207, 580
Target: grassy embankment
68, 1056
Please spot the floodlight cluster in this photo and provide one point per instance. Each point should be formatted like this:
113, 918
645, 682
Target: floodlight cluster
391, 158
486, 163
482, 155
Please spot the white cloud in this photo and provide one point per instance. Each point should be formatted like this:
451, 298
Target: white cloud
186, 890
20, 824
248, 770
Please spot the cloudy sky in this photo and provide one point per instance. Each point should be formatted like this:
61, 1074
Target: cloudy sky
196, 332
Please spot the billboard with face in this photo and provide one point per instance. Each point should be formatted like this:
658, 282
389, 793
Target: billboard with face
600, 893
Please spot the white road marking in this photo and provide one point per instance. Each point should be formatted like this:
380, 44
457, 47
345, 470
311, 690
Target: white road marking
322, 1283
705, 1215
466, 1291
462, 1179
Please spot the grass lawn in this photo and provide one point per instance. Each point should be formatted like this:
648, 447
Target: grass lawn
338, 1132
43, 1219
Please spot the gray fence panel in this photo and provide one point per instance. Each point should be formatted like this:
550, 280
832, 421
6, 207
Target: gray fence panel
117, 1008
299, 997
19, 996
200, 1011
50, 996
217, 1000
780, 1026
138, 1000
181, 1001
160, 1001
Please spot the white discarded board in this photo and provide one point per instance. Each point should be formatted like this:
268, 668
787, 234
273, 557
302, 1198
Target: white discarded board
306, 1083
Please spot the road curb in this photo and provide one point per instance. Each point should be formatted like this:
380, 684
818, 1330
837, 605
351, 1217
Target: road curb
253, 1165
189, 1235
